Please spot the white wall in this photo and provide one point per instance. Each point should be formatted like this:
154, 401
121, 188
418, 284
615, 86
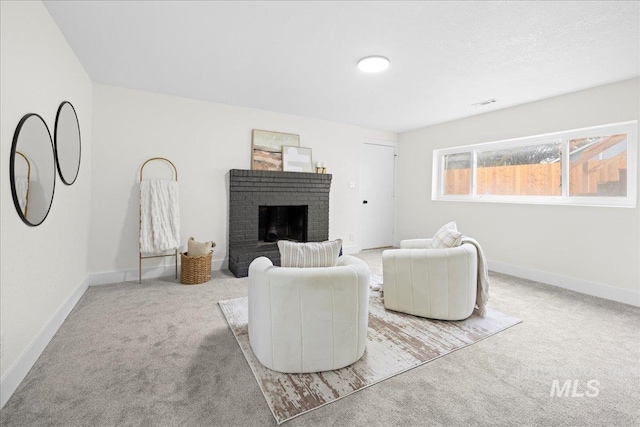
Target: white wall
41, 266
591, 244
204, 140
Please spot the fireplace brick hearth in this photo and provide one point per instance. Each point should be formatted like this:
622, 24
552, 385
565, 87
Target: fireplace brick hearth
250, 189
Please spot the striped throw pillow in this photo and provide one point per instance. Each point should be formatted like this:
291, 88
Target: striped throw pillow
447, 237
312, 254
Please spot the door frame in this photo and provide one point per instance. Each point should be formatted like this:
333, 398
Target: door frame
386, 143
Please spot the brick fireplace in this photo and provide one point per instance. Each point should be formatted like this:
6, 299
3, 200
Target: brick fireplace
265, 206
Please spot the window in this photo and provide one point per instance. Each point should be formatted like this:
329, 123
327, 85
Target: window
593, 166
532, 170
598, 166
457, 177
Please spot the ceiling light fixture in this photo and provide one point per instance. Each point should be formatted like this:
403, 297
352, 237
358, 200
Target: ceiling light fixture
373, 64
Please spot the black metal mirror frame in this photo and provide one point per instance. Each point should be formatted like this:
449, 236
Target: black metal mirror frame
55, 139
12, 160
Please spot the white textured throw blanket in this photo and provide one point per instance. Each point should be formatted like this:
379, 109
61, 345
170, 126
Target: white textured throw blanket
22, 191
482, 295
159, 216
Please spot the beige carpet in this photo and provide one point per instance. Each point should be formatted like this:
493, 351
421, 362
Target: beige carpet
162, 354
396, 343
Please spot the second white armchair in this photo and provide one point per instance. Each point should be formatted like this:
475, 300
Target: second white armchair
432, 283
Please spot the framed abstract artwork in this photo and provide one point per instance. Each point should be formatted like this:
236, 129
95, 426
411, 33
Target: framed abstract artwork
266, 148
296, 159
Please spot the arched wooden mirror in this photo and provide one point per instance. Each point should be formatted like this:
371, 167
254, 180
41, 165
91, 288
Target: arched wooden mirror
32, 169
67, 143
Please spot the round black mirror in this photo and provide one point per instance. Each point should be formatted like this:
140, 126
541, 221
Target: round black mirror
67, 143
32, 169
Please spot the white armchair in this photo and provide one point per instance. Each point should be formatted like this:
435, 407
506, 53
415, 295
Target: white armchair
433, 283
308, 319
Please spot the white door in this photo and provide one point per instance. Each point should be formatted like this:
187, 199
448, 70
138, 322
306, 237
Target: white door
377, 193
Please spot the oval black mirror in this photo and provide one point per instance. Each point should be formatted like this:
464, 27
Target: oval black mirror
67, 143
32, 169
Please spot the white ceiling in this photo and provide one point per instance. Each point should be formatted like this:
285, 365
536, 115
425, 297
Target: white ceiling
300, 57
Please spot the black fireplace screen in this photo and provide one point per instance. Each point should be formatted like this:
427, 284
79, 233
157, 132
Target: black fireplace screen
282, 222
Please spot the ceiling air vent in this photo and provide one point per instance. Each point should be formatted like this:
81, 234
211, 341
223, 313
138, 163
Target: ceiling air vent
483, 103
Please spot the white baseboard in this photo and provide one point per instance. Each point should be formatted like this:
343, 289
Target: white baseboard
20, 368
350, 250
626, 296
107, 277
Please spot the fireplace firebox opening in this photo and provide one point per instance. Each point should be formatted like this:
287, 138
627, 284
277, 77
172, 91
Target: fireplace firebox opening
282, 222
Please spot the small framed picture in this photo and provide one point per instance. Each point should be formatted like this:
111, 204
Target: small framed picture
296, 159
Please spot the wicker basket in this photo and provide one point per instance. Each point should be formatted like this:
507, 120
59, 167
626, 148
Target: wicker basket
195, 269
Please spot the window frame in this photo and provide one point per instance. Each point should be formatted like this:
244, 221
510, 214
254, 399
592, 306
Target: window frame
630, 128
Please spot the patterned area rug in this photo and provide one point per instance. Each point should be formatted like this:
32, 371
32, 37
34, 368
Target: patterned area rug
375, 282
396, 343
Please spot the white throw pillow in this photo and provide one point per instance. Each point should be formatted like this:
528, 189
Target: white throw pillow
195, 248
447, 237
312, 254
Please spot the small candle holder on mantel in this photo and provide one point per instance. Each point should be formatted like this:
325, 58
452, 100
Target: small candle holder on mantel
321, 167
